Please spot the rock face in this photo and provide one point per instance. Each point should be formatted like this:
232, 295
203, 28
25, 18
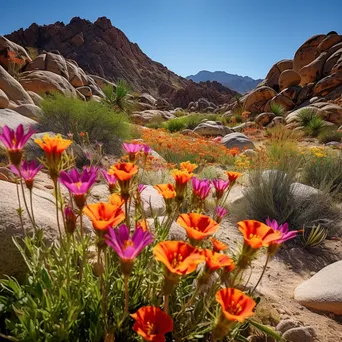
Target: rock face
257, 99
323, 291
13, 119
10, 226
103, 50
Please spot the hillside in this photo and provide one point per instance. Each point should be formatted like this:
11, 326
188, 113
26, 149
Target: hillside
241, 84
101, 49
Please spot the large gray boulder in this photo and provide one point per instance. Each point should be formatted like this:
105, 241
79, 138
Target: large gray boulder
212, 128
12, 119
323, 291
237, 140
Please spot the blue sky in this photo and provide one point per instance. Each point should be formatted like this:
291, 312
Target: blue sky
244, 37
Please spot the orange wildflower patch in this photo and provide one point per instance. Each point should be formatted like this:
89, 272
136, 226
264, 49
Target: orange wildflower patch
214, 260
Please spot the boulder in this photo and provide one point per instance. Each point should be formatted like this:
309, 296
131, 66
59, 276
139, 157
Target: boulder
45, 216
29, 110
332, 61
257, 98
152, 199
328, 83
314, 70
286, 324
85, 91
147, 99
56, 64
288, 78
291, 92
43, 81
147, 116
77, 77
323, 291
307, 52
281, 100
328, 42
278, 120
237, 140
264, 119
37, 99
329, 112
212, 128
4, 101
38, 63
163, 104
12, 119
6, 47
243, 126
300, 334
304, 93
13, 89
272, 78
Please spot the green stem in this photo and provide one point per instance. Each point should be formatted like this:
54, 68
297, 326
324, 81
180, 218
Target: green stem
32, 212
126, 294
127, 213
263, 272
57, 209
25, 202
20, 209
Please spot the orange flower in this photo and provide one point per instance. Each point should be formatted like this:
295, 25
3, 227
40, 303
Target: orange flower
214, 260
197, 226
256, 234
233, 176
123, 171
236, 306
143, 225
187, 166
166, 190
104, 215
181, 178
178, 257
116, 199
218, 245
152, 324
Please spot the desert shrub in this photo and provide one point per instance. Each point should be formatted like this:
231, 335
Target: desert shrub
281, 133
322, 169
277, 109
305, 115
274, 194
329, 134
175, 125
73, 116
314, 126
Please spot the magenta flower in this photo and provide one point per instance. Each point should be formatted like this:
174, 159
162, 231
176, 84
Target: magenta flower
220, 213
110, 180
70, 220
220, 186
79, 183
132, 150
146, 149
141, 188
128, 248
14, 142
200, 188
283, 229
28, 171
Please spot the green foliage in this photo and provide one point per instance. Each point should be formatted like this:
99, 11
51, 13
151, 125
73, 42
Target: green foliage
329, 134
324, 173
314, 126
101, 124
277, 109
305, 115
118, 97
314, 236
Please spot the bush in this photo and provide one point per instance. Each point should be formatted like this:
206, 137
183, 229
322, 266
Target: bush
305, 115
330, 134
314, 126
118, 97
277, 109
101, 124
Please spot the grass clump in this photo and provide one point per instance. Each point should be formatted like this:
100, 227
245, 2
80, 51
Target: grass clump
73, 116
277, 109
314, 126
305, 115
329, 135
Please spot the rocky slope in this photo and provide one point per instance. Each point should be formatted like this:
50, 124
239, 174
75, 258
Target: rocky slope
241, 84
101, 49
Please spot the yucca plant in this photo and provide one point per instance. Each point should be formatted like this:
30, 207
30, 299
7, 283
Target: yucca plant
305, 115
314, 235
118, 96
277, 109
314, 127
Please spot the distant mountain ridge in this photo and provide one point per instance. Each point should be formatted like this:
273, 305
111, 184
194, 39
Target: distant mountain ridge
241, 84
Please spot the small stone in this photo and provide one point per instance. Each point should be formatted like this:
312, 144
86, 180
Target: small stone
286, 324
300, 334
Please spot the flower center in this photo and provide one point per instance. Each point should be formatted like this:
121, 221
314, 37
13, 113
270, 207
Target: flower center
150, 328
254, 236
128, 243
176, 260
234, 308
78, 185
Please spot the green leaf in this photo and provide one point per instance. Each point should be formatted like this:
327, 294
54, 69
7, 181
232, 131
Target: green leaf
266, 330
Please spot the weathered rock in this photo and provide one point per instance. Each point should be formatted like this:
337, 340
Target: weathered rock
331, 61
147, 99
4, 101
256, 99
37, 99
147, 116
152, 199
212, 128
329, 112
13, 89
300, 334
163, 104
286, 324
264, 119
307, 52
291, 92
10, 226
241, 127
85, 91
237, 140
6, 47
77, 76
304, 93
13, 119
272, 78
29, 110
313, 71
278, 120
283, 101
42, 82
328, 42
328, 83
303, 192
288, 78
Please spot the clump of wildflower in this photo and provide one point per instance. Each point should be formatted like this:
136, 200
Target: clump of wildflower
27, 170
181, 178
220, 186
220, 213
132, 150
110, 180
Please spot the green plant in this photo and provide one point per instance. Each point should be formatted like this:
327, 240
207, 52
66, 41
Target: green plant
329, 134
32, 52
76, 117
118, 96
277, 109
175, 125
314, 236
314, 126
280, 133
305, 115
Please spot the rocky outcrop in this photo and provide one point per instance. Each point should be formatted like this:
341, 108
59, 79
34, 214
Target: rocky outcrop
103, 50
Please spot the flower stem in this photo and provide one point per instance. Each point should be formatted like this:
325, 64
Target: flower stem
32, 212
20, 209
127, 213
263, 272
25, 202
57, 209
126, 294
166, 304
